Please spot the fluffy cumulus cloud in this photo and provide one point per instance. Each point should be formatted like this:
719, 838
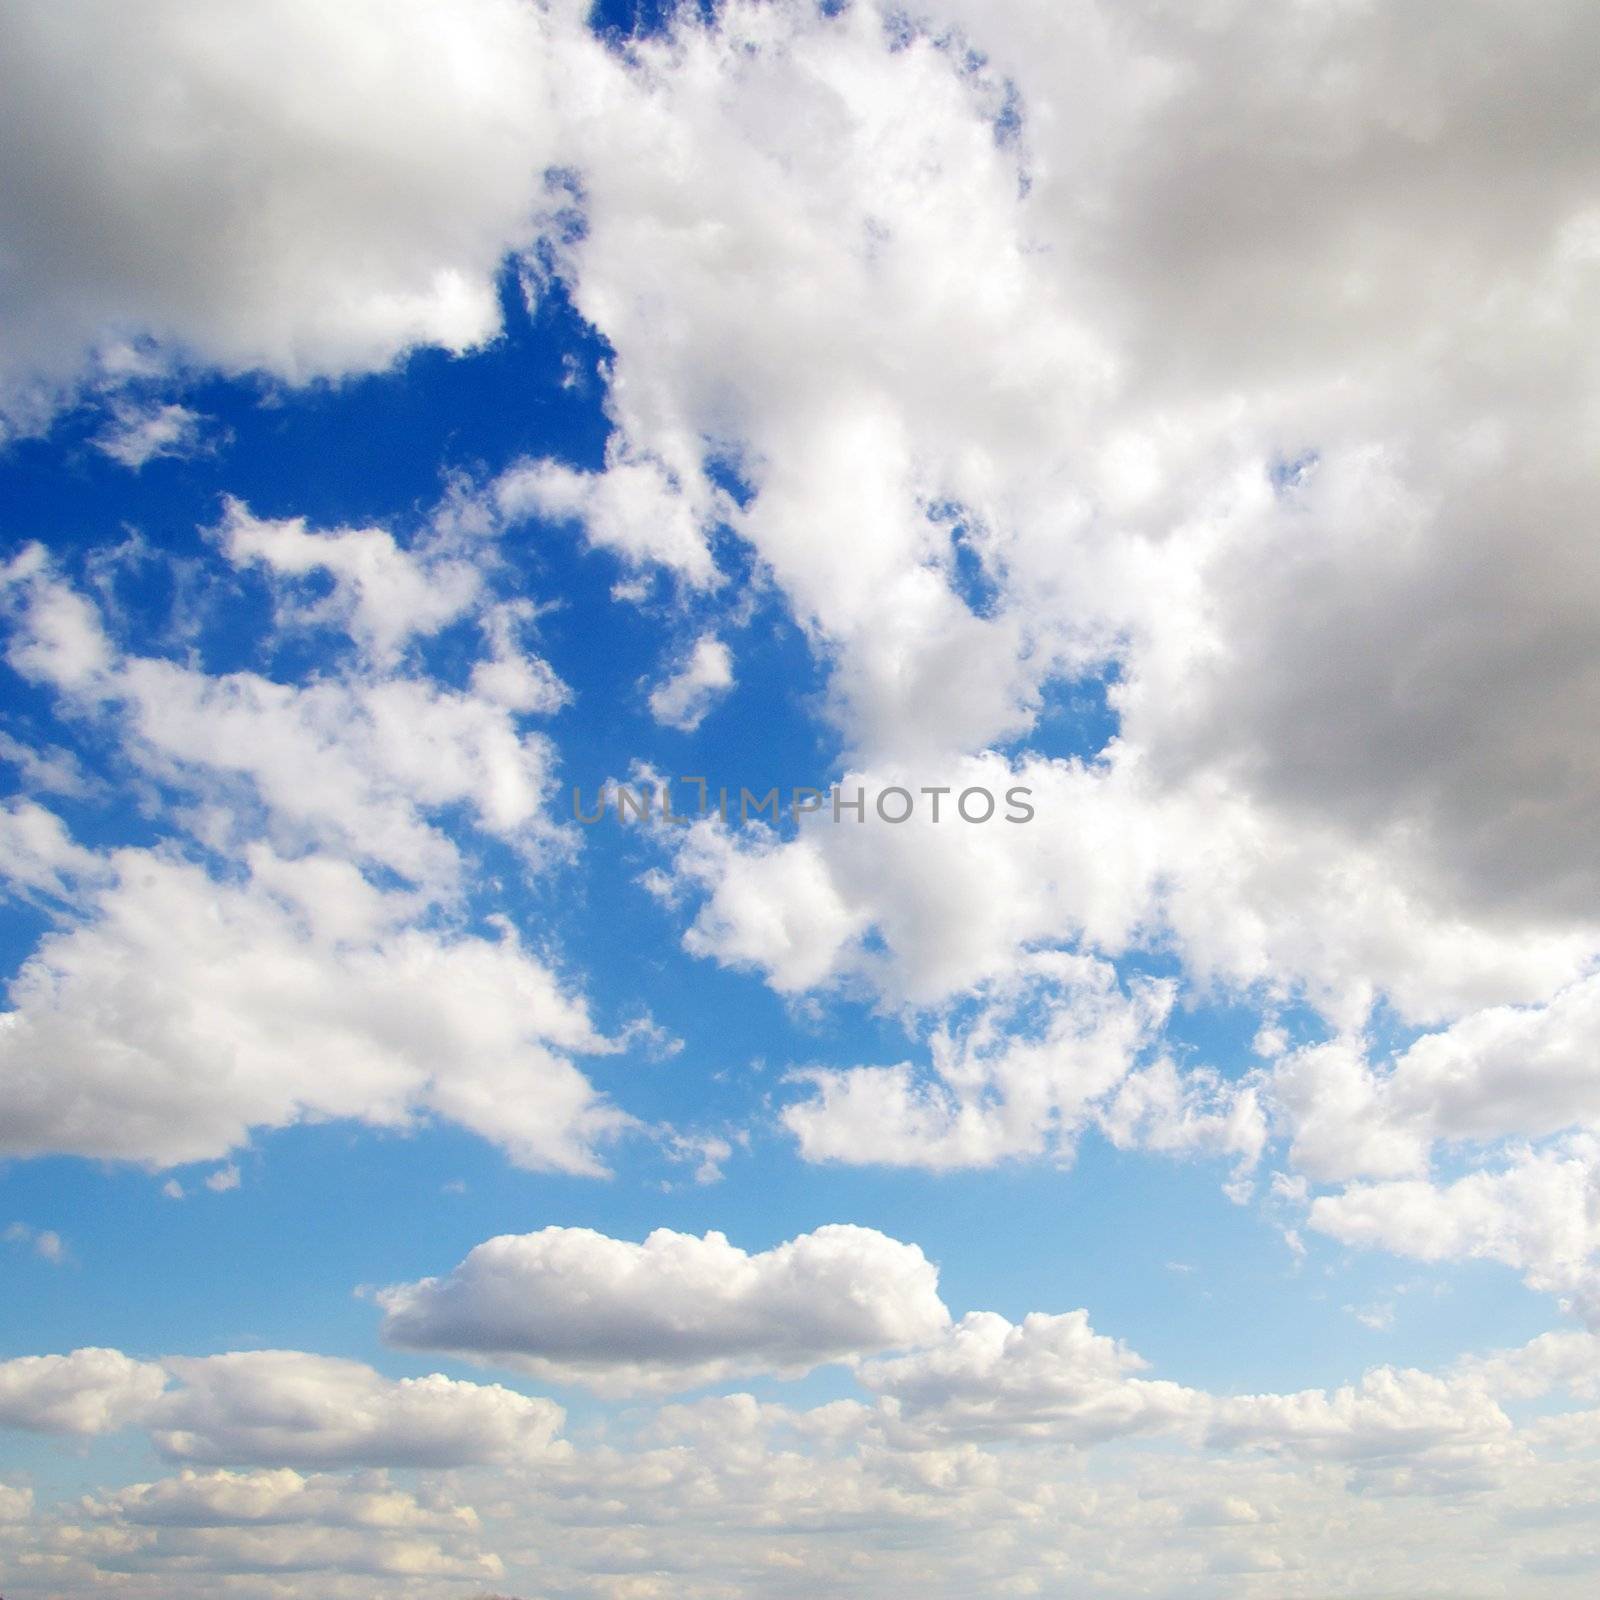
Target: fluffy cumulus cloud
925, 911
1104, 399
182, 1012
636, 507
1052, 1377
1153, 453
284, 963
202, 1528
272, 1407
1194, 419
573, 1306
381, 594
966, 1451
275, 1498
1501, 1071
1234, 370
1388, 1414
1474, 1142
288, 189
278, 1407
90, 1391
1021, 1077
1046, 1376
362, 762
1535, 1212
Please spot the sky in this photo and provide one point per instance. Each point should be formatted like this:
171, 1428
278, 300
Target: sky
1123, 1122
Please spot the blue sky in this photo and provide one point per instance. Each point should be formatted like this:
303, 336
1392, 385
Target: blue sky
405, 1188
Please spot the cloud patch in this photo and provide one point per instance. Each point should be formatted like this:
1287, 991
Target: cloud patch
684, 700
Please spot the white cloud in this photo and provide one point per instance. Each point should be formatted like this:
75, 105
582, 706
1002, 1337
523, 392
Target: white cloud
1047, 1375
283, 1407
705, 1152
45, 1243
1457, 1099
47, 769
770, 905
636, 507
684, 699
88, 1392
1054, 1378
1161, 1108
1331, 1100
282, 188
39, 856
1499, 1072
1377, 1317
58, 638
969, 1459
359, 766
1012, 407
1019, 1077
182, 1011
202, 1499
280, 1408
511, 677
361, 763
201, 1527
1504, 1070
924, 910
381, 595
140, 433
1566, 1360
570, 1305
1007, 409
1391, 1412
1255, 361
1534, 1213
